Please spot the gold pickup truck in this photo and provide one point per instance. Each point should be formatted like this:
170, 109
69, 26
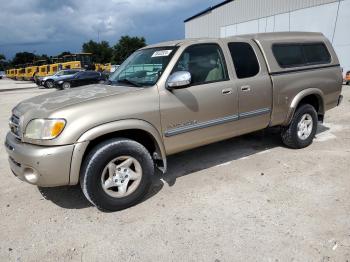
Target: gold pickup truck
171, 97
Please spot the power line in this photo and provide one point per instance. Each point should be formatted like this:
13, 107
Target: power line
336, 21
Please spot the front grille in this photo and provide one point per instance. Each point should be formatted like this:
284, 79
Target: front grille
15, 126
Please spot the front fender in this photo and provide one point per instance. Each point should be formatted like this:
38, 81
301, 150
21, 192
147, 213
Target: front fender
104, 129
296, 100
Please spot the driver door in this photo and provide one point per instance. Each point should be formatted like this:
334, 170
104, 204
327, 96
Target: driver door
206, 111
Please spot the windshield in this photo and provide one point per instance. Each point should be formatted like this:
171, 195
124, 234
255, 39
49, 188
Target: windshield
144, 67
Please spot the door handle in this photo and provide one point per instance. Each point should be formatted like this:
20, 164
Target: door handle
227, 91
245, 88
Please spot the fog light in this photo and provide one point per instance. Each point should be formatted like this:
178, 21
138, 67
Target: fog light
31, 175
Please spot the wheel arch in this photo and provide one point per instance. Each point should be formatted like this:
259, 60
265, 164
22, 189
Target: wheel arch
313, 96
138, 130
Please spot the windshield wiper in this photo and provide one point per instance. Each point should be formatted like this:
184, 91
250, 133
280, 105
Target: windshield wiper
128, 81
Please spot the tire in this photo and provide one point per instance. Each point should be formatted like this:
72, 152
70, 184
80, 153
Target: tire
66, 85
49, 84
290, 135
95, 166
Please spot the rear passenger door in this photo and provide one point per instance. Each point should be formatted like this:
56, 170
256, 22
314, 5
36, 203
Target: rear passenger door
253, 84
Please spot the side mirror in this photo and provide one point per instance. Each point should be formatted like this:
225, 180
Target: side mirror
180, 79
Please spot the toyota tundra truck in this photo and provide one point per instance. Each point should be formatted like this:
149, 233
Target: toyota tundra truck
171, 97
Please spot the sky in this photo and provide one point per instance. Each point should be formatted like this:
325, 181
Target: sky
52, 26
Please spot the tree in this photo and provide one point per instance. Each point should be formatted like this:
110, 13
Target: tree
43, 57
126, 46
2, 62
64, 53
23, 58
101, 52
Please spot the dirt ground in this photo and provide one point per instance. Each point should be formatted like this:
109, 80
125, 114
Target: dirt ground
244, 199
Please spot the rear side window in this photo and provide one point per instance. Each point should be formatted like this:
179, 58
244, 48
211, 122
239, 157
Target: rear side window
289, 55
244, 59
316, 53
294, 55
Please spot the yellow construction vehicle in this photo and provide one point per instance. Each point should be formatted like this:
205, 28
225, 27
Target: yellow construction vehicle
55, 66
103, 67
30, 71
99, 67
107, 67
77, 61
43, 68
14, 72
20, 72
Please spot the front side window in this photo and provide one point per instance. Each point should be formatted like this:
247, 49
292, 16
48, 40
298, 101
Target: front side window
244, 59
144, 67
205, 63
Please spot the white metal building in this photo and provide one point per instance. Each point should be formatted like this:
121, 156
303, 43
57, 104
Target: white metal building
235, 17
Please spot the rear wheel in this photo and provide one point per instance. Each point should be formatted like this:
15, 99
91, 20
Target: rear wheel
302, 129
116, 174
66, 85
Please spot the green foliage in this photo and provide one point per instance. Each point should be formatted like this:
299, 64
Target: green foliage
102, 52
64, 53
125, 47
23, 58
3, 62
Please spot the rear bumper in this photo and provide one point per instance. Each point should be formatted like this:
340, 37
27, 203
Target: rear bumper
38, 165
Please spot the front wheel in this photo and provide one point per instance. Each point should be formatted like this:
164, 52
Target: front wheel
49, 84
116, 174
302, 129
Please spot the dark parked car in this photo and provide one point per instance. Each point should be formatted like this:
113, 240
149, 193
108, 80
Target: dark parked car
80, 79
48, 81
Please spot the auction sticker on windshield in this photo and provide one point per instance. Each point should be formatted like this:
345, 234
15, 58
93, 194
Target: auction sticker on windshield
161, 53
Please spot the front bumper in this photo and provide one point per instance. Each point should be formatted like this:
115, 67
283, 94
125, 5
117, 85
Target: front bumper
340, 99
39, 165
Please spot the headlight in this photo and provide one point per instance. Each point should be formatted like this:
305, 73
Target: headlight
44, 128
60, 82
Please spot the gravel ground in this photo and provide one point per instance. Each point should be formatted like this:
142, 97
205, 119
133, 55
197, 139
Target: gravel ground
247, 198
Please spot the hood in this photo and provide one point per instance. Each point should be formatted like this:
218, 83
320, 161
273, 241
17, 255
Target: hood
50, 102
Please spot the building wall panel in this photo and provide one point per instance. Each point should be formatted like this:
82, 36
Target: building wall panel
331, 17
240, 11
